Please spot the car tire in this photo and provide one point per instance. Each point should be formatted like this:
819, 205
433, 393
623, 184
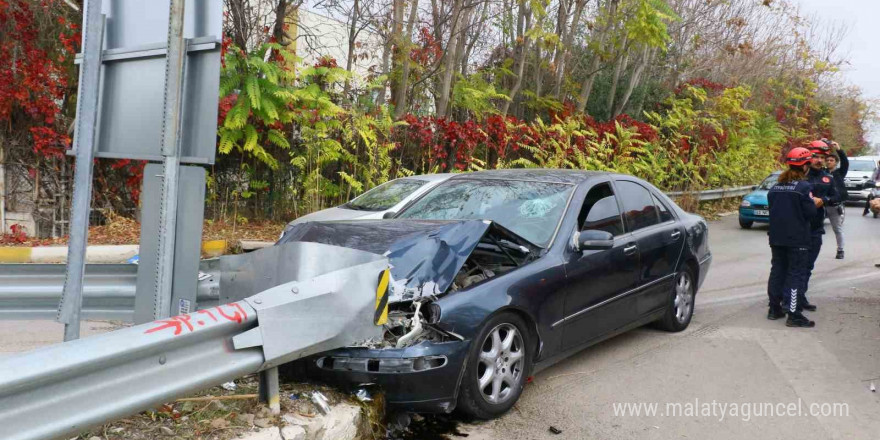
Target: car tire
745, 224
681, 303
486, 393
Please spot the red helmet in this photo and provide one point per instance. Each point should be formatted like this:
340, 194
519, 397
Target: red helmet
819, 147
798, 156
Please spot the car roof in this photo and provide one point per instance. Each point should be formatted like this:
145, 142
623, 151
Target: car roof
871, 158
533, 174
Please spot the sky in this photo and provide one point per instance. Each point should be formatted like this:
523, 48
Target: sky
862, 17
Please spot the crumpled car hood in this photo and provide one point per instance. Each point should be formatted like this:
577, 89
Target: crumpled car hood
425, 255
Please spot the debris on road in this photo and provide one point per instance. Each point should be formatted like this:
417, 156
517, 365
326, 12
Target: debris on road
229, 386
555, 430
873, 388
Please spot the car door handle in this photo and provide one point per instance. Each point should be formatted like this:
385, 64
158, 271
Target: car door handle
631, 249
675, 235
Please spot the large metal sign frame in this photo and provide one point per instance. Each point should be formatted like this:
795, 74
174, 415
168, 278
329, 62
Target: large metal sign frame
143, 100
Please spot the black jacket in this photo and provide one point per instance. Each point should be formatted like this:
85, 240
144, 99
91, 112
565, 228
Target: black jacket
791, 213
839, 174
825, 189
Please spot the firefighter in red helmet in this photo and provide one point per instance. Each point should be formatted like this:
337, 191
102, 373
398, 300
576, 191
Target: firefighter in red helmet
792, 209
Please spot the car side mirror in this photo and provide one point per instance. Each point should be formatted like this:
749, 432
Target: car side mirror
754, 187
594, 240
389, 214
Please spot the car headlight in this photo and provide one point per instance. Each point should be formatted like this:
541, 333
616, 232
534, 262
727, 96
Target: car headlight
745, 204
877, 185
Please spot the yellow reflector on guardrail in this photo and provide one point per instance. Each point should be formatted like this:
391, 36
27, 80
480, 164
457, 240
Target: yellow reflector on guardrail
381, 316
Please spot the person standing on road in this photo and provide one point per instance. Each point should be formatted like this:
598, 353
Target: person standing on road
792, 209
825, 190
836, 211
874, 179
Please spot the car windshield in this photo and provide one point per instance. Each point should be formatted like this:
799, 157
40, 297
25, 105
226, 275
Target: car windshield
532, 210
386, 195
769, 182
861, 165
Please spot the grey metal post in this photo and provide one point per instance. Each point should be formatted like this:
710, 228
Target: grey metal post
270, 391
84, 143
171, 151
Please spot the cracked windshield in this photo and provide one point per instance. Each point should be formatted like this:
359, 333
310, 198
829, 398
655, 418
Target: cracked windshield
530, 209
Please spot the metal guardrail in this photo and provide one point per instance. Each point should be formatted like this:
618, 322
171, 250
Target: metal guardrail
64, 389
32, 291
715, 194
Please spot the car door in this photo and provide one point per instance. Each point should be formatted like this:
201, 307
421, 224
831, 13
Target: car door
595, 279
659, 238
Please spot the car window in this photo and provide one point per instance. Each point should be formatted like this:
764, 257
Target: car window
861, 165
600, 211
769, 182
638, 206
386, 195
662, 210
531, 210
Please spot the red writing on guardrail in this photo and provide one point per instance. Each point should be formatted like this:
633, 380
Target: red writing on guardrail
199, 319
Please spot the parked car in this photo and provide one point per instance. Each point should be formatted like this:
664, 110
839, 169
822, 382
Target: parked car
499, 274
754, 208
378, 202
858, 179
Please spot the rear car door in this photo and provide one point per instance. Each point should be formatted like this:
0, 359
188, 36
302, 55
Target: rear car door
596, 278
660, 239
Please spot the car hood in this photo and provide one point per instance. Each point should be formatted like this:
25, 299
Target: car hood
425, 255
337, 213
859, 175
759, 197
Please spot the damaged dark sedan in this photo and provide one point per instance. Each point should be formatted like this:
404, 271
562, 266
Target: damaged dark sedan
498, 274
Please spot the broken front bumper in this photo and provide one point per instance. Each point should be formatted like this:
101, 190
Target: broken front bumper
420, 378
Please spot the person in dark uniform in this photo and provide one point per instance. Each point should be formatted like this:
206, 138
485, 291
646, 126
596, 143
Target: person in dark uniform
792, 208
824, 189
838, 166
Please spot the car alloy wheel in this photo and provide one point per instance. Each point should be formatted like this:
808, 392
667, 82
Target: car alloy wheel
501, 364
684, 297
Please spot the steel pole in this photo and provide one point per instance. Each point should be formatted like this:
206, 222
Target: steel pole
84, 145
174, 69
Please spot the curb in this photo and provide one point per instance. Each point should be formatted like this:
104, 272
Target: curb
94, 254
58, 254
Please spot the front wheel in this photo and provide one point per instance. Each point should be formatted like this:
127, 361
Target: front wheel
745, 224
681, 304
498, 363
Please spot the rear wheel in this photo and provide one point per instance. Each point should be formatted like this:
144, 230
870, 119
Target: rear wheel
681, 304
498, 363
745, 224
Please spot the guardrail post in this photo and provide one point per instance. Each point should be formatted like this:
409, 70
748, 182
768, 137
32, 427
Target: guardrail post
270, 389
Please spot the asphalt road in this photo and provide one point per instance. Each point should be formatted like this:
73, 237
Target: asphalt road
732, 355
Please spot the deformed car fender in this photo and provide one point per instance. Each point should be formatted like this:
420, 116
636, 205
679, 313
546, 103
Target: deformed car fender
533, 288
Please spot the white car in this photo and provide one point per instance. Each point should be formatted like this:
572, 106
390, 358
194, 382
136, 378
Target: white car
858, 179
385, 199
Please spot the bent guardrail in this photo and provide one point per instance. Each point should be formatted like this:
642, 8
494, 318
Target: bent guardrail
66, 388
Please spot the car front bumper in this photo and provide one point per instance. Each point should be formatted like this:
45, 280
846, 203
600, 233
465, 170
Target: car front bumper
421, 378
858, 194
748, 214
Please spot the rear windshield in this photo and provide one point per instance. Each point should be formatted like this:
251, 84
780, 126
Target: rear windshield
862, 165
386, 195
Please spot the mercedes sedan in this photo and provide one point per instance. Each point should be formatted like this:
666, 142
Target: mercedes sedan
499, 274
